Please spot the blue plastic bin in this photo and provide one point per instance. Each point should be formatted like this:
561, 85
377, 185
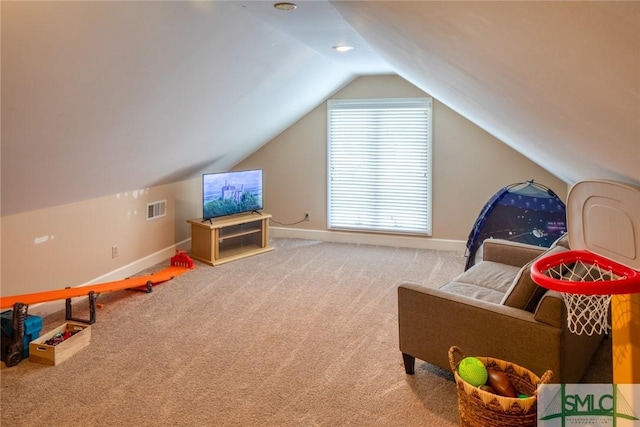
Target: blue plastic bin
32, 329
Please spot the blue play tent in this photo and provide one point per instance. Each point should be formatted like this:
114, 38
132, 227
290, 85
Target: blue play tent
526, 212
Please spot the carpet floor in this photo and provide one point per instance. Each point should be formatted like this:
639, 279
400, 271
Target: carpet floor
305, 335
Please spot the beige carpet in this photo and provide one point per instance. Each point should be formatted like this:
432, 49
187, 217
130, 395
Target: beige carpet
305, 335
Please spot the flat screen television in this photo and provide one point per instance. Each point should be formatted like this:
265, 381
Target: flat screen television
230, 193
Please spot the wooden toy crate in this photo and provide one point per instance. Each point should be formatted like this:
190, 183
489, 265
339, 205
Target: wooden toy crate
39, 352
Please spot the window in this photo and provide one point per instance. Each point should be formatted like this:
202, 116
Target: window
380, 165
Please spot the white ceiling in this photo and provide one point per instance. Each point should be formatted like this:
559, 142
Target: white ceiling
557, 81
319, 26
104, 97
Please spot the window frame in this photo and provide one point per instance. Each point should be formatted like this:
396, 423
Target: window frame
380, 104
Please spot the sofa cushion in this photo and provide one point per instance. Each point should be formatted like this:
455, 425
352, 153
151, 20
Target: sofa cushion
491, 275
473, 291
524, 293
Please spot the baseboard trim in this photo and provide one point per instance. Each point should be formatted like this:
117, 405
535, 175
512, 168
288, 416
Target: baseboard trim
129, 270
369, 239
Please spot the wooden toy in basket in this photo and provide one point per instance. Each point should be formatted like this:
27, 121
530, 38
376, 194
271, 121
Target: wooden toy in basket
480, 408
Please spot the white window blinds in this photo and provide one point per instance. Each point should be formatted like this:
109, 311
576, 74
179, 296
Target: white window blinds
380, 165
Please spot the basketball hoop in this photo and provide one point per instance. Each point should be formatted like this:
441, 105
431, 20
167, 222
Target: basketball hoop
587, 282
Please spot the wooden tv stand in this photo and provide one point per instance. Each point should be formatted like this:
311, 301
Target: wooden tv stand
229, 238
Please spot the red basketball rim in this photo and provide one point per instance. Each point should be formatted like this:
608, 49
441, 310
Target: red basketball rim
628, 281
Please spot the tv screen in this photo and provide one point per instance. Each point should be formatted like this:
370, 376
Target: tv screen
229, 193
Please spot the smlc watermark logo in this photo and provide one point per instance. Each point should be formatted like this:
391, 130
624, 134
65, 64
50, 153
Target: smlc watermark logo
589, 405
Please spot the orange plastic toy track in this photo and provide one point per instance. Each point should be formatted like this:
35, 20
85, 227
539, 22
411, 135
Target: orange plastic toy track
133, 282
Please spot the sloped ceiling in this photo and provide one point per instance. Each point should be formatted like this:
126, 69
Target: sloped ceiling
557, 81
104, 97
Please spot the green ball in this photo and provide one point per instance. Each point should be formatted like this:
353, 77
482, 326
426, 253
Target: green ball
473, 371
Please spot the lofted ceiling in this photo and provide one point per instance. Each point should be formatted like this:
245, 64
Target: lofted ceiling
104, 97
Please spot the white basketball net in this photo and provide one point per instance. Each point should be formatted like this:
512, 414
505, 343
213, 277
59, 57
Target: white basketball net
586, 314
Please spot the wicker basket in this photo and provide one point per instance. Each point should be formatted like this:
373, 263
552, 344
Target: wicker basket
479, 408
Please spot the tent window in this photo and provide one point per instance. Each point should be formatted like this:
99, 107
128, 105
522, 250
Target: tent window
379, 164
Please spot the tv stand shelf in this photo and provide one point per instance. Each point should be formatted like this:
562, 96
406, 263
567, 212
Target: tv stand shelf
225, 239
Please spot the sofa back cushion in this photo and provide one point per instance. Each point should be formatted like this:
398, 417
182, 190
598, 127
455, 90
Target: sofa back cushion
562, 241
524, 293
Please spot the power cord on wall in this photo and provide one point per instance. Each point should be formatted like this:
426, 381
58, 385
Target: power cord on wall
291, 223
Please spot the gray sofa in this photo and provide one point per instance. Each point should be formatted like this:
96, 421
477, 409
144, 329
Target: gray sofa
494, 309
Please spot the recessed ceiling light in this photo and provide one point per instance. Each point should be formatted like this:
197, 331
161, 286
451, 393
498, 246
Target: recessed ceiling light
343, 48
286, 6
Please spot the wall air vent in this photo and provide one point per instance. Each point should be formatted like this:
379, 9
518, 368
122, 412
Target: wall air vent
156, 209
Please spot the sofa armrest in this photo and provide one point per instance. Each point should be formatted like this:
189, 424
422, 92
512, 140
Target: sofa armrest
431, 321
550, 309
508, 252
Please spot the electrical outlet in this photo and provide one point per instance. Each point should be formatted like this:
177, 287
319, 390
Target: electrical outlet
307, 216
114, 251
